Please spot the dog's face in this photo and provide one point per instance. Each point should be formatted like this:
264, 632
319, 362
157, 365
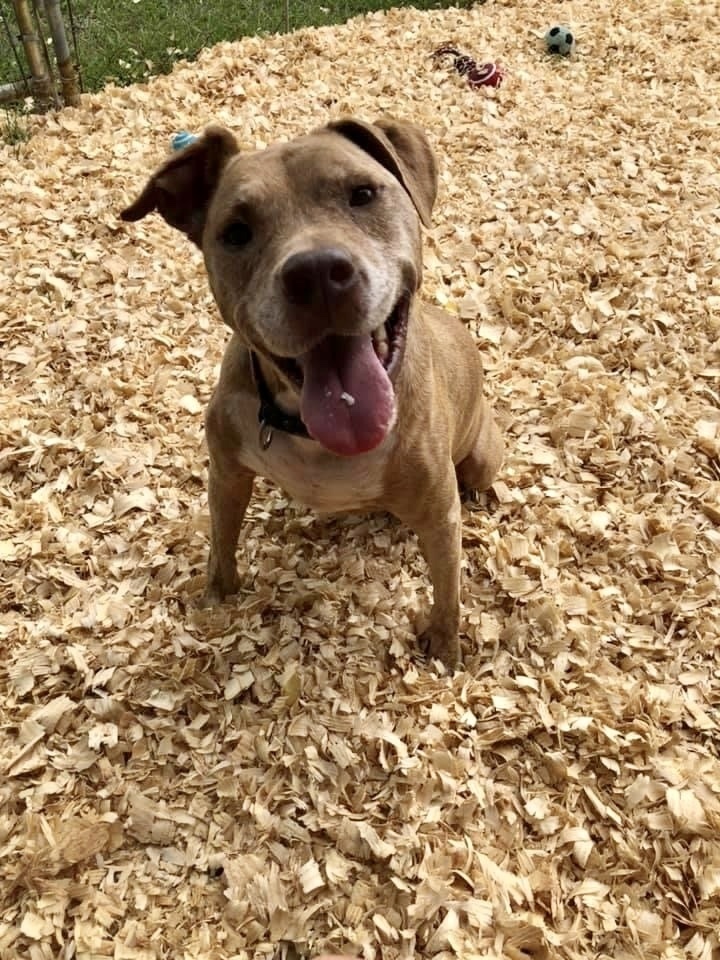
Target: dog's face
312, 249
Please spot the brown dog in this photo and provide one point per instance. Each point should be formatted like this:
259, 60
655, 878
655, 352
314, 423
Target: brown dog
366, 400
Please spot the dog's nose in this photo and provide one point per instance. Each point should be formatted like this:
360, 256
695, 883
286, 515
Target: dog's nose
312, 277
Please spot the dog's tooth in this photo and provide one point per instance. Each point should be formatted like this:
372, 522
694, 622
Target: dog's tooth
381, 342
347, 398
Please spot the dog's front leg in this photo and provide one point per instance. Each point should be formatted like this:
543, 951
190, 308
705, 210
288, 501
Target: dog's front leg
435, 516
228, 498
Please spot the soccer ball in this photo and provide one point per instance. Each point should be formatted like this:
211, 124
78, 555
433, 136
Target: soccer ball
561, 40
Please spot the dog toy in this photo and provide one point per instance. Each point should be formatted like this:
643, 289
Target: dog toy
182, 139
484, 75
560, 40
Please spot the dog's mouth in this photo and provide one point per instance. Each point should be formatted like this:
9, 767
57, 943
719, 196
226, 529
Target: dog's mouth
389, 338
388, 341
347, 399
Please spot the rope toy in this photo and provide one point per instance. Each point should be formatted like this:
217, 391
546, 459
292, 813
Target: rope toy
484, 75
182, 139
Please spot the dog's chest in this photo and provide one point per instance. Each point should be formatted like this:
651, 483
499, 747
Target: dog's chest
316, 478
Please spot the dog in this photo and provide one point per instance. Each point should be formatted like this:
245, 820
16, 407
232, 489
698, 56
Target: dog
337, 384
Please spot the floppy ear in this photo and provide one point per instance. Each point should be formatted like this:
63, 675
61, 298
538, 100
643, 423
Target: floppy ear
404, 150
182, 188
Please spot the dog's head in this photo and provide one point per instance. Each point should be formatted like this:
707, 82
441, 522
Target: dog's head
312, 249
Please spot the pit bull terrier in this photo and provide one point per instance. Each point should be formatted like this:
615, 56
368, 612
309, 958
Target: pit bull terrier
337, 384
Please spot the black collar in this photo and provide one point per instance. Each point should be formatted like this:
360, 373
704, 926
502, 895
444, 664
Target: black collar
270, 416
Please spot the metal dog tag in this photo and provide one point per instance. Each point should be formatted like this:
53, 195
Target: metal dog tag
265, 436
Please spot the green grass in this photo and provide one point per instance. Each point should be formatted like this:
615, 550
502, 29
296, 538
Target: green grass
13, 126
127, 40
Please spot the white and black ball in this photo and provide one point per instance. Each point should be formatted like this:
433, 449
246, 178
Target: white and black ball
560, 40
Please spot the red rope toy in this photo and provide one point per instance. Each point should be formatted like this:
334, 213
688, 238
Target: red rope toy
485, 75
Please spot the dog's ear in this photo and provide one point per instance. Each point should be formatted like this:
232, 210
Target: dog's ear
182, 188
403, 149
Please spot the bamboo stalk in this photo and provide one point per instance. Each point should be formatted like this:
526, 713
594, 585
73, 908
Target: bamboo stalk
73, 31
39, 11
11, 43
41, 84
66, 67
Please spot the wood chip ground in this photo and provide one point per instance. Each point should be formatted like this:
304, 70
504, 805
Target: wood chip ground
285, 775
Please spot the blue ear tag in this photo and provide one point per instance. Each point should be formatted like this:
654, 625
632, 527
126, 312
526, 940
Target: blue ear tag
182, 139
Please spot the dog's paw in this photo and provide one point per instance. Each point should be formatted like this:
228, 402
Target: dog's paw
440, 644
218, 590
211, 598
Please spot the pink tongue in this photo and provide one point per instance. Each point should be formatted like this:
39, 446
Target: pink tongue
347, 401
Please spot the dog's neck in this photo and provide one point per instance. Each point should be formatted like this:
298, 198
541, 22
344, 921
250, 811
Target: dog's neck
279, 405
284, 395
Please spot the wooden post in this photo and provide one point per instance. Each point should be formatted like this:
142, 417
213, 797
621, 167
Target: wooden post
66, 67
41, 83
287, 16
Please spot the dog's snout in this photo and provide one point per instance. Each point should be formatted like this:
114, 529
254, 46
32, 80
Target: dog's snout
312, 277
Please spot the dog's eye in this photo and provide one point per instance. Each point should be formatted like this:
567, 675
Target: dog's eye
362, 196
236, 234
